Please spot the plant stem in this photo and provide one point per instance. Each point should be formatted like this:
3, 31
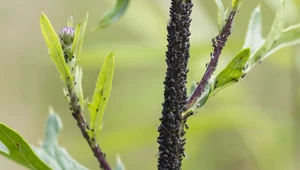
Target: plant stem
84, 127
171, 129
218, 45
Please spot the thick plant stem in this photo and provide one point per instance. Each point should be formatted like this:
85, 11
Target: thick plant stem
218, 45
84, 127
171, 130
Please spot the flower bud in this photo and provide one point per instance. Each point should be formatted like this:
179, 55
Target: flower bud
66, 35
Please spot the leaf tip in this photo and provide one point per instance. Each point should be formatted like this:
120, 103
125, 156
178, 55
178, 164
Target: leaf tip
258, 8
120, 165
247, 50
70, 21
236, 4
51, 110
43, 16
87, 15
111, 54
54, 119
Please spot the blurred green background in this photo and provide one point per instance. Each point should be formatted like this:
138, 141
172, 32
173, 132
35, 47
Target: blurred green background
251, 125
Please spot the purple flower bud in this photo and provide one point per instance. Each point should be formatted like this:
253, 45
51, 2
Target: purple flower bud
66, 35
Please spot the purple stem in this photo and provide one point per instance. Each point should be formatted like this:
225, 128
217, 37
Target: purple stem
84, 127
218, 45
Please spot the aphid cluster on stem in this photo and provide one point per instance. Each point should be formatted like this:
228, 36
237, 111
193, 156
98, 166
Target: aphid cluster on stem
218, 44
171, 130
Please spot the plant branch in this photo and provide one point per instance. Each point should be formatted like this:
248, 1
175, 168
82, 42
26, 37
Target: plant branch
218, 44
84, 127
171, 129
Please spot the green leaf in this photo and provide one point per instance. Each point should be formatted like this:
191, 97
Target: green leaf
56, 156
70, 21
236, 4
202, 99
14, 147
3, 148
113, 15
78, 39
290, 36
54, 49
193, 87
120, 165
221, 14
78, 87
66, 94
254, 34
233, 72
101, 94
205, 94
276, 29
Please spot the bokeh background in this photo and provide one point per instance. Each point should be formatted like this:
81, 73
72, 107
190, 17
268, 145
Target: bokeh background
251, 125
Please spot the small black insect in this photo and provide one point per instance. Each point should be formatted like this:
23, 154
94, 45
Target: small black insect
186, 126
243, 75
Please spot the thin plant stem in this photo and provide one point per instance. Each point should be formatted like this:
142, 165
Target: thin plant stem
218, 45
84, 127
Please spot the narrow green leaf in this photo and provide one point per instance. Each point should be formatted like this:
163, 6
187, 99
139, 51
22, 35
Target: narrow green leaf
278, 24
101, 94
254, 34
236, 4
18, 150
206, 93
3, 148
120, 165
290, 36
76, 39
221, 14
78, 86
56, 156
113, 15
66, 94
202, 99
79, 34
54, 48
233, 72
70, 21
204, 96
193, 87
82, 32
276, 29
